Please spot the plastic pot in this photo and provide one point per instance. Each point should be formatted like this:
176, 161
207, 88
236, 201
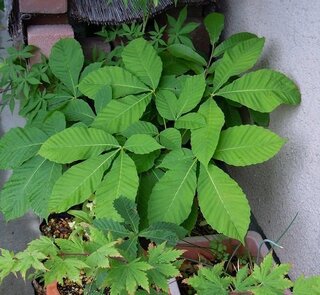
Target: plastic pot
52, 289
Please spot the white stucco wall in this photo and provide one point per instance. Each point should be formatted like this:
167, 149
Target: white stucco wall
290, 182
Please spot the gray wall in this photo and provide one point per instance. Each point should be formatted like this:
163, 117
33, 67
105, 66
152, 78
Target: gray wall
290, 182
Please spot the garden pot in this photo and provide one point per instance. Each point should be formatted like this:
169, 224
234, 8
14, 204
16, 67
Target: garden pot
195, 246
52, 289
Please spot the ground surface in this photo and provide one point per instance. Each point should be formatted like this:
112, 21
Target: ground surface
15, 234
289, 183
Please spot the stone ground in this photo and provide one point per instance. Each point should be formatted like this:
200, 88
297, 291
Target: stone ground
14, 235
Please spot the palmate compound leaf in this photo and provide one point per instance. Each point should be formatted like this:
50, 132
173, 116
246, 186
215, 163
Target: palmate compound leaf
79, 182
247, 145
142, 144
204, 140
29, 186
141, 59
236, 60
190, 121
209, 281
127, 277
66, 61
262, 91
141, 127
121, 180
162, 259
119, 114
223, 203
19, 145
172, 196
77, 143
123, 83
186, 53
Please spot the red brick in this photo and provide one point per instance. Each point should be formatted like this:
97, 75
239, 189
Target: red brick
43, 6
45, 36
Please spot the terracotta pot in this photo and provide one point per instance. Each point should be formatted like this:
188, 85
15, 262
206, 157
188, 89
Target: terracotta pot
195, 246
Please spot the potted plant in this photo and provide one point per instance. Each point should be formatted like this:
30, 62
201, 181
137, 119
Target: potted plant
153, 127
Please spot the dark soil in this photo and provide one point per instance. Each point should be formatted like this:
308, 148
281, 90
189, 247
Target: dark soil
57, 227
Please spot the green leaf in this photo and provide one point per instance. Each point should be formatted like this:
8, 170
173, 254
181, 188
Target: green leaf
141, 127
7, 263
90, 68
172, 196
204, 140
262, 91
123, 83
27, 260
190, 121
100, 257
191, 94
231, 42
186, 53
60, 269
142, 144
177, 158
223, 203
44, 245
66, 61
111, 226
270, 279
53, 123
260, 119
147, 182
162, 260
141, 59
44, 172
145, 162
247, 145
121, 180
77, 110
236, 60
127, 209
167, 104
79, 182
127, 277
306, 286
171, 138
25, 188
102, 98
210, 281
119, 114
214, 23
19, 145
77, 143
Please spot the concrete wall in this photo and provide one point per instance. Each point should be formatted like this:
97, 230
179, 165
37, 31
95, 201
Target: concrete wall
290, 182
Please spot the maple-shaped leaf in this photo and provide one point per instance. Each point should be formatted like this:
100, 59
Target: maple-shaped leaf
100, 258
270, 279
27, 260
74, 245
64, 268
7, 263
242, 282
306, 286
163, 259
43, 245
128, 276
210, 281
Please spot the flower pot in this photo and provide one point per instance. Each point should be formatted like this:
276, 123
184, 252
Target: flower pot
195, 246
52, 289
